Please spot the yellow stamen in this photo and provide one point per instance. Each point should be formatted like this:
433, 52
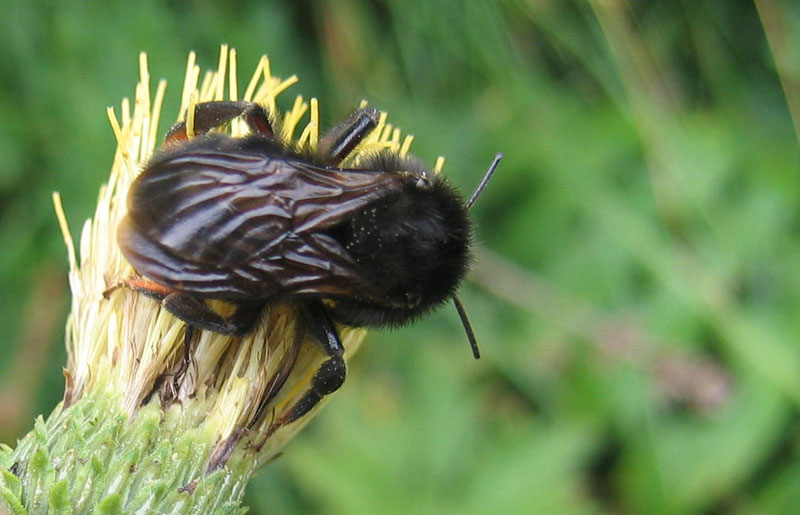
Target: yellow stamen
437, 168
233, 87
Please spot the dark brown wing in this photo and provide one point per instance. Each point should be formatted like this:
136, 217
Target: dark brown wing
239, 225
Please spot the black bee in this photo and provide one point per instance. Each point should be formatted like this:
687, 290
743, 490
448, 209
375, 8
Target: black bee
250, 220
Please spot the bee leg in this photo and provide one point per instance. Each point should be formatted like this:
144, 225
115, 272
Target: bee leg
342, 139
331, 373
195, 312
209, 115
146, 286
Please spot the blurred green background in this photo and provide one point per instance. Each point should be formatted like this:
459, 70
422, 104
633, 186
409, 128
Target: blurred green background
637, 296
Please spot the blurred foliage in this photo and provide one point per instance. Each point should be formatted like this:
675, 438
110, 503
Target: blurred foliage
637, 296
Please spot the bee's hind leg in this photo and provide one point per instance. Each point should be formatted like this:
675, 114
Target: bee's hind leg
331, 373
209, 115
195, 312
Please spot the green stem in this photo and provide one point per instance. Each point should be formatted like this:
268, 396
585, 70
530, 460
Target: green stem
92, 457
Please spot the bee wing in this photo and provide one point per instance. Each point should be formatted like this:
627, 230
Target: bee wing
239, 225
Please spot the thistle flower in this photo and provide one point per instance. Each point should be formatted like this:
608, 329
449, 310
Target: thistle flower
147, 423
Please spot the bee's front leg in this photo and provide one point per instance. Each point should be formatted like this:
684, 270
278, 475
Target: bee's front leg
340, 141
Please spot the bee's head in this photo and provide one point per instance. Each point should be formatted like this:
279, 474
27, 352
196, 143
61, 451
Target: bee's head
412, 247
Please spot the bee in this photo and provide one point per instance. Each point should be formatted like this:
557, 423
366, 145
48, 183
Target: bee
251, 220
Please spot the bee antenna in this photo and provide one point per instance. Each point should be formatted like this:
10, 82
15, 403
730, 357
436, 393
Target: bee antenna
467, 327
462, 313
484, 182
